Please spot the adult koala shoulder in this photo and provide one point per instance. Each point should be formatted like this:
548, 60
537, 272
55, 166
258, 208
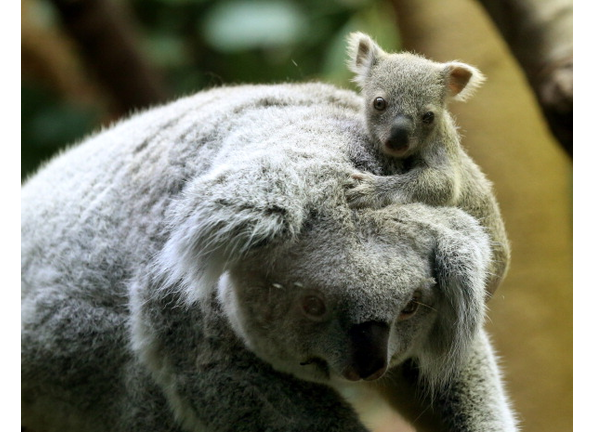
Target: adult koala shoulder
197, 267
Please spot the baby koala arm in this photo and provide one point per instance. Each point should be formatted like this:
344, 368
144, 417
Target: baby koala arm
437, 186
473, 402
436, 181
432, 180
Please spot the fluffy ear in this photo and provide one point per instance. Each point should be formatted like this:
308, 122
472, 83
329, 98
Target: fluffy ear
462, 80
461, 262
215, 225
363, 54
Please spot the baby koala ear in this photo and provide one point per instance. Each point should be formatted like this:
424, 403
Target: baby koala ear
363, 54
462, 80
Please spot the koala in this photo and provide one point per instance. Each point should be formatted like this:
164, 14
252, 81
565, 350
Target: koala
198, 267
405, 98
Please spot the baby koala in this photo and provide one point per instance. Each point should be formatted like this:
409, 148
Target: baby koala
416, 142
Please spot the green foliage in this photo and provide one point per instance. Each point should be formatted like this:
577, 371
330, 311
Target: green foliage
247, 25
198, 44
48, 123
202, 43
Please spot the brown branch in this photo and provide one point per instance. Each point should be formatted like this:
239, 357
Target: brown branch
47, 58
106, 40
540, 35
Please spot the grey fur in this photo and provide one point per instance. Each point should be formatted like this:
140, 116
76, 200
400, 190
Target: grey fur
199, 268
428, 163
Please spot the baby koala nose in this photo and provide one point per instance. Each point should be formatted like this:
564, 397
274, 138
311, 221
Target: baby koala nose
370, 351
400, 133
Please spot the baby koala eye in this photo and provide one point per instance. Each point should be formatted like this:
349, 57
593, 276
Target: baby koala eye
379, 103
410, 309
428, 117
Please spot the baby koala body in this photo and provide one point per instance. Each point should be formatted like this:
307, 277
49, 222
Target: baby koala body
405, 99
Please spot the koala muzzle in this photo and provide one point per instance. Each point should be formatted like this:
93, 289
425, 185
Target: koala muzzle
400, 132
370, 351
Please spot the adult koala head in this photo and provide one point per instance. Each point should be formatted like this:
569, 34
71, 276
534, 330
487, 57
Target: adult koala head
361, 292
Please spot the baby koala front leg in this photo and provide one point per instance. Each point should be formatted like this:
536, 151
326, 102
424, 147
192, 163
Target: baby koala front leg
370, 190
427, 185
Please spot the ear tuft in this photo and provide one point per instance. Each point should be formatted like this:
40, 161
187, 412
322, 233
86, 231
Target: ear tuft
462, 80
213, 238
218, 220
363, 54
462, 256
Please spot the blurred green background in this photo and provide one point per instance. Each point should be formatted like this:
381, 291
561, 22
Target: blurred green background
191, 45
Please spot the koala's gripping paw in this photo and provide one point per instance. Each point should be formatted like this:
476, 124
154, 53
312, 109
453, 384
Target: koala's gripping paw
362, 190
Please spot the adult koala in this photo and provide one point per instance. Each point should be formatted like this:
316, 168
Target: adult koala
198, 268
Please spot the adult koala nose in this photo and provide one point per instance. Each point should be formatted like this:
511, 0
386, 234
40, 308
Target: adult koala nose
400, 133
370, 351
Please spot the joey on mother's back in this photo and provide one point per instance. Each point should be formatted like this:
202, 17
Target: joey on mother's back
405, 108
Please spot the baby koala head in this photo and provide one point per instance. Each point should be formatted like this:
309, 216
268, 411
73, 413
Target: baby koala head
405, 95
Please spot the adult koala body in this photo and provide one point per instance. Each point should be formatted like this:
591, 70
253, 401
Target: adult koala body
405, 99
198, 268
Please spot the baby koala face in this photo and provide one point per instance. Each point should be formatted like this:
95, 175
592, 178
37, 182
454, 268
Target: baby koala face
404, 99
405, 95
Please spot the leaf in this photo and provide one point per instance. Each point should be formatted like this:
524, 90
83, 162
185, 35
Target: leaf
240, 25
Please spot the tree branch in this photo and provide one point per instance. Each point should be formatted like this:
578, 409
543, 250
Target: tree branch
540, 35
106, 39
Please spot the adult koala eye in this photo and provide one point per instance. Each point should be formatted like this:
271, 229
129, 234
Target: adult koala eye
410, 309
428, 117
313, 306
379, 103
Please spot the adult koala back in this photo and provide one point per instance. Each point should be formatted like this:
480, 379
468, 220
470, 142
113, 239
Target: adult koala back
197, 268
117, 187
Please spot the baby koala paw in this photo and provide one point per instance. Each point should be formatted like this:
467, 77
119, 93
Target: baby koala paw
363, 190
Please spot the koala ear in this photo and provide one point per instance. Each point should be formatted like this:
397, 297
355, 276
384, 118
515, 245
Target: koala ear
363, 54
210, 232
462, 80
461, 262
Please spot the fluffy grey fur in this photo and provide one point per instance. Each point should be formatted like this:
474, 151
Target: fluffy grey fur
198, 267
412, 126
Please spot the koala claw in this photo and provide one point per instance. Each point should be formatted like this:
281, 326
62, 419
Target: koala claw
362, 191
361, 176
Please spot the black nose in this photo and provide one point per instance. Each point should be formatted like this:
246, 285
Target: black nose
370, 351
400, 134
